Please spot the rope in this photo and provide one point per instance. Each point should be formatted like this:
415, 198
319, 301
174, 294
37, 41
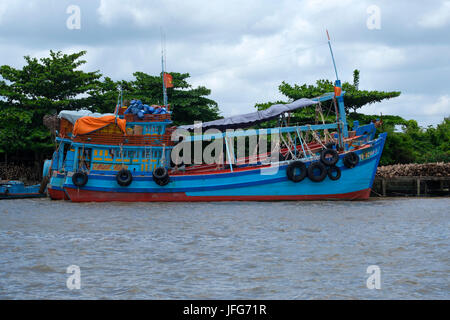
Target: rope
315, 136
121, 154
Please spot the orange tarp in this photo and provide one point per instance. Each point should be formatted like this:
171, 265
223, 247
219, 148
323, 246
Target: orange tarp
88, 124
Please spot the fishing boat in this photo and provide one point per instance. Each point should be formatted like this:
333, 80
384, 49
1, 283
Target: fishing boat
134, 154
17, 190
124, 158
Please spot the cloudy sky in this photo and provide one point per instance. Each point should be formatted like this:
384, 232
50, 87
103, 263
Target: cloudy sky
242, 50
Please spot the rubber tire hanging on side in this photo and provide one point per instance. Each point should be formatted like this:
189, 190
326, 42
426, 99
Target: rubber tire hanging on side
351, 159
291, 169
329, 157
330, 173
80, 178
314, 166
124, 177
161, 176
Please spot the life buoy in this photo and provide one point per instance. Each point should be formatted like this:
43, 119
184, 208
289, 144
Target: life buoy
351, 159
161, 176
80, 178
312, 171
329, 157
292, 168
331, 173
124, 177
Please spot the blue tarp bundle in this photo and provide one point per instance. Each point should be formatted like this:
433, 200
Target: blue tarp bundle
138, 108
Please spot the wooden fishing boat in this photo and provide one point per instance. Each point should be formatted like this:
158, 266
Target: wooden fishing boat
135, 156
110, 165
17, 190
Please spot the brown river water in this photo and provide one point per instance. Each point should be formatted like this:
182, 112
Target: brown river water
229, 250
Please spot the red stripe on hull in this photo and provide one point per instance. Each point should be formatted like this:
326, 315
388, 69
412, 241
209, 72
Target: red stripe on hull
57, 194
78, 195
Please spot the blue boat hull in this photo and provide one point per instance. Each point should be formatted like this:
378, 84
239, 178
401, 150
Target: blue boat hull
17, 190
257, 183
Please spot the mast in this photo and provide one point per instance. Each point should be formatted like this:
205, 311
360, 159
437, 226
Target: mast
163, 68
332, 56
342, 125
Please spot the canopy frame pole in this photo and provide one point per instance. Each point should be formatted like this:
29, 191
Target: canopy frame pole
339, 125
228, 154
293, 143
301, 142
288, 146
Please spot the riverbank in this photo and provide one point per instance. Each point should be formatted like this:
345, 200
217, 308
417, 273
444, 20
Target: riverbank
28, 175
428, 179
421, 186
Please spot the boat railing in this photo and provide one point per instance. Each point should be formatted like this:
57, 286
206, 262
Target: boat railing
148, 117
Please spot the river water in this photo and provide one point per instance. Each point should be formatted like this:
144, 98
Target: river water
241, 250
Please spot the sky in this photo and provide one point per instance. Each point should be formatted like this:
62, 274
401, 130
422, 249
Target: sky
243, 50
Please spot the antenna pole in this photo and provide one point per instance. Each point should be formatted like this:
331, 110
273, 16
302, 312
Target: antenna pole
342, 126
332, 56
163, 71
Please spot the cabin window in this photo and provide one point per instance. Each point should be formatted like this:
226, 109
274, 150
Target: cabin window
147, 153
66, 148
84, 158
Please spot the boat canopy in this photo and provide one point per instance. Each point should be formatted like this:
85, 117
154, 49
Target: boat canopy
249, 119
86, 125
73, 116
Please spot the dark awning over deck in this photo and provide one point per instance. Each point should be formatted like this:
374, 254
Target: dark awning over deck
243, 121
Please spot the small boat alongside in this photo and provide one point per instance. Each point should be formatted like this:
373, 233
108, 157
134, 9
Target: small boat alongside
17, 190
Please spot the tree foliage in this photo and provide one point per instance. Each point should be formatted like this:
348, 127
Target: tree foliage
54, 83
43, 86
354, 98
188, 104
407, 142
408, 145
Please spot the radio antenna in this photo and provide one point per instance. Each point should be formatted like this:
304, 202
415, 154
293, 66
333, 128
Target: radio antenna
332, 56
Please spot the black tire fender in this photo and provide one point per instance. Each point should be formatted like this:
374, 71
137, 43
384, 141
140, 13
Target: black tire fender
80, 178
330, 172
124, 177
317, 166
291, 169
351, 159
161, 176
329, 157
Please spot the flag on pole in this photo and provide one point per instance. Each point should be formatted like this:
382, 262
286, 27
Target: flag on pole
337, 91
168, 81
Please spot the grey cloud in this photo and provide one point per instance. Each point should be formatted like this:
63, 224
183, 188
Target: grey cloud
242, 50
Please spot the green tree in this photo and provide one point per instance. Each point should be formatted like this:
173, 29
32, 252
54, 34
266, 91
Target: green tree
354, 97
42, 86
187, 103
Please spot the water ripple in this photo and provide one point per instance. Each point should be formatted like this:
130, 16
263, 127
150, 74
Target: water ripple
244, 250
